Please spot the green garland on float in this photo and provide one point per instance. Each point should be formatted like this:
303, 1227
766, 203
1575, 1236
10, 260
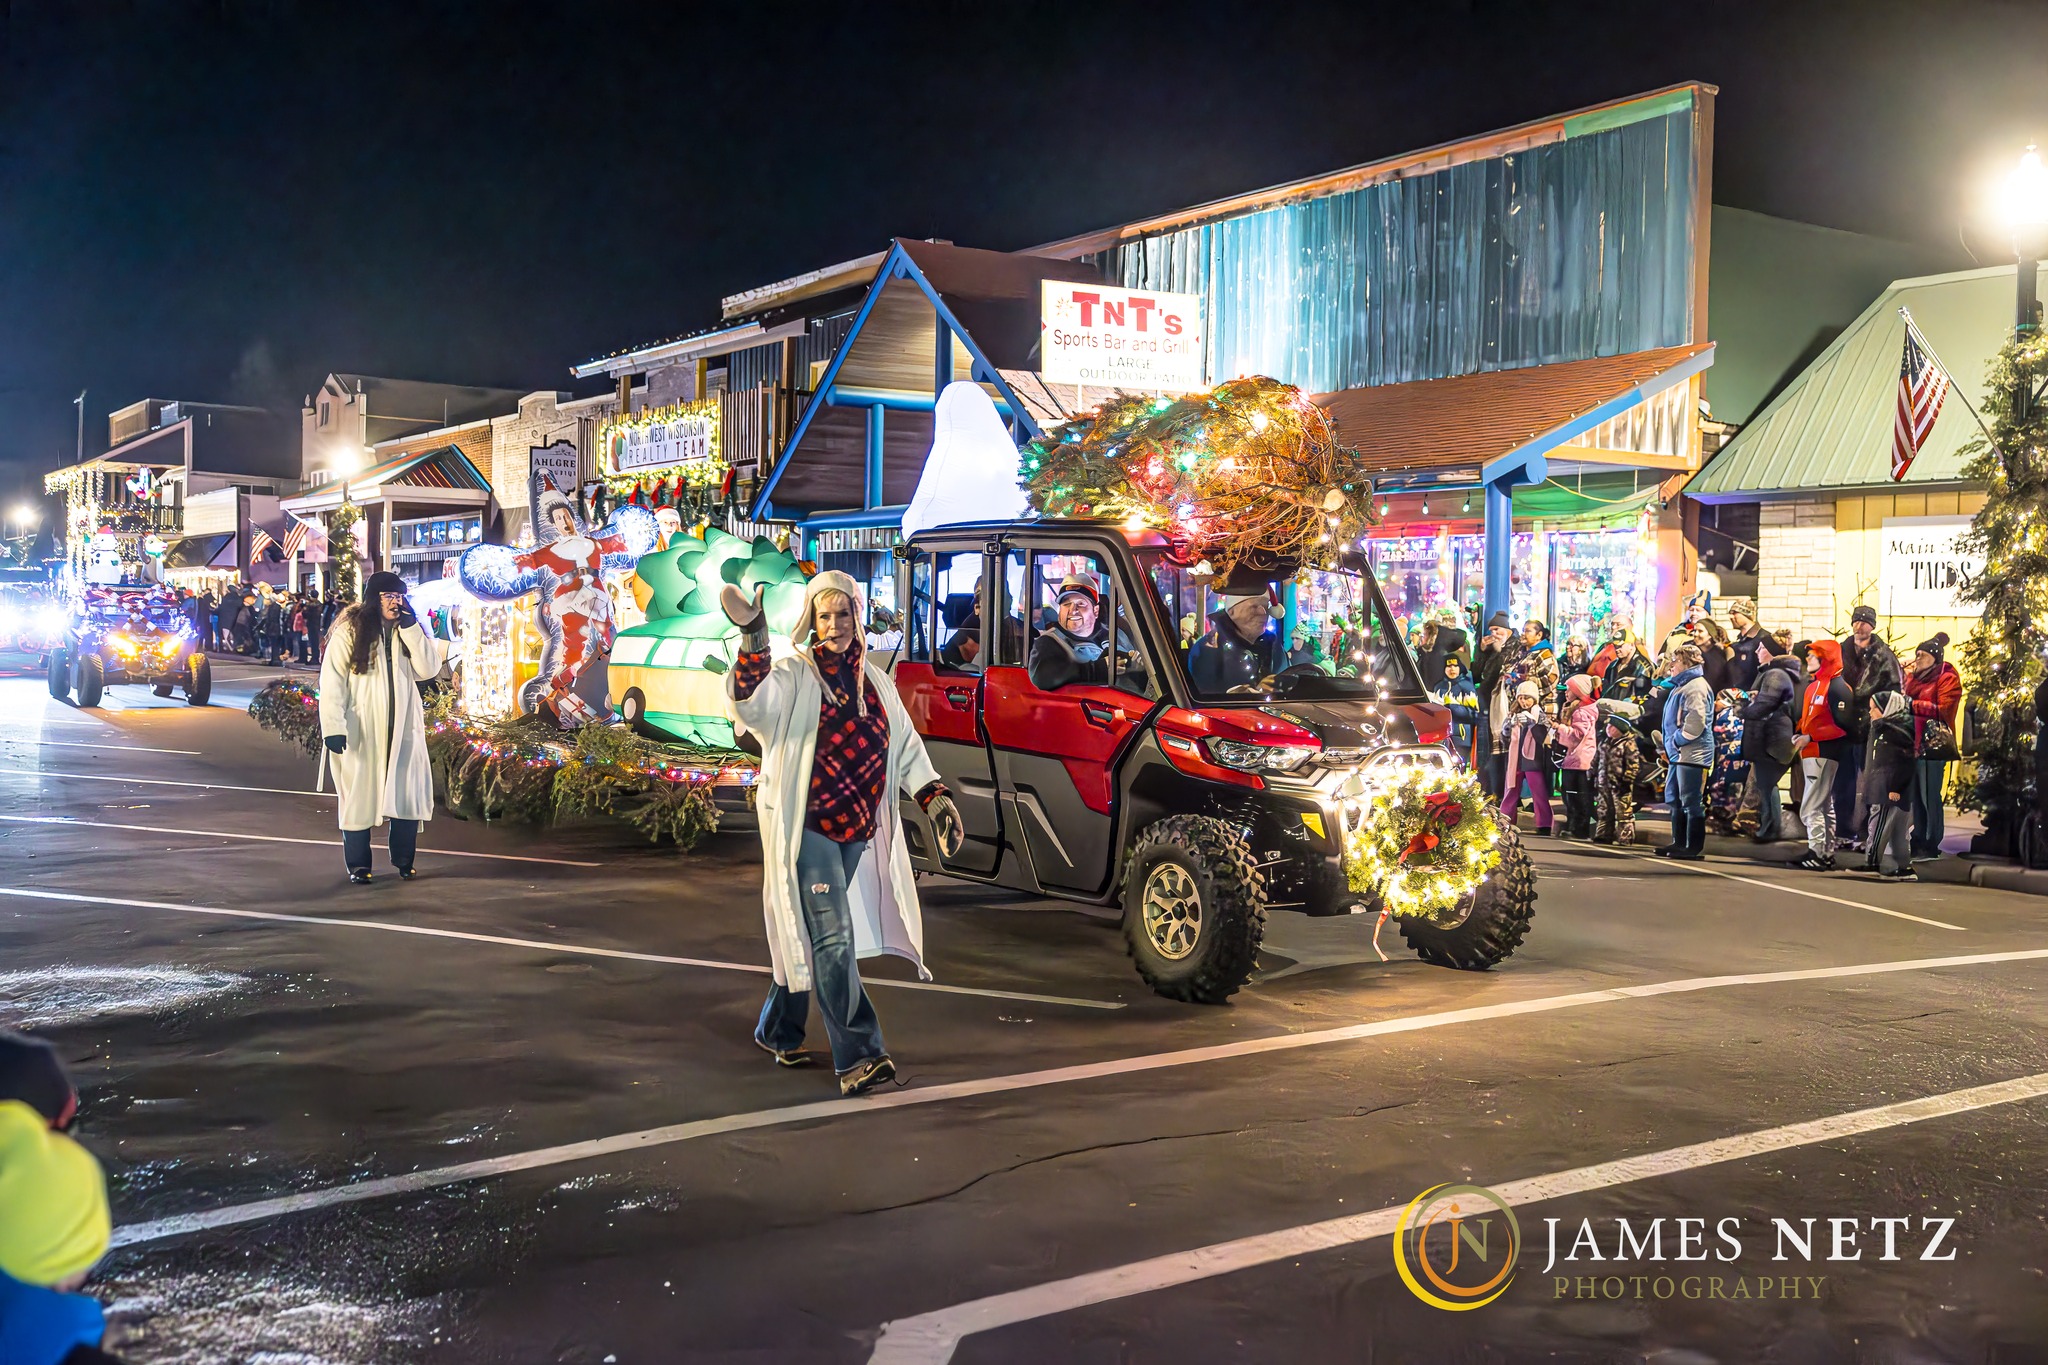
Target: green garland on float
524, 769
1424, 842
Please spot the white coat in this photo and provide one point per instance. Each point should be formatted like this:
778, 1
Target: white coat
882, 896
383, 773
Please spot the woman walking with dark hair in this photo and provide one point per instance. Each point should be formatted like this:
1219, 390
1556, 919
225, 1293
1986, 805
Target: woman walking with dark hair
374, 728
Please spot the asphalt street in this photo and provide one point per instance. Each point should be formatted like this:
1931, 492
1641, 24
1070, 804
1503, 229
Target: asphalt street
511, 1111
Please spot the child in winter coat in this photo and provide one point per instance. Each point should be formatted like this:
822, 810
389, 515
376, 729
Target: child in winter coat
1579, 743
1888, 768
1530, 763
1615, 770
1462, 699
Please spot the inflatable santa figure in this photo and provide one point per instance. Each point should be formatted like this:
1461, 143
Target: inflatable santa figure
566, 566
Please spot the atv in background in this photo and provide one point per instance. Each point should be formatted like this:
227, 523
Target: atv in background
127, 635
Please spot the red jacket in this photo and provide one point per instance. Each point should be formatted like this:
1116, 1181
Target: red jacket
1938, 695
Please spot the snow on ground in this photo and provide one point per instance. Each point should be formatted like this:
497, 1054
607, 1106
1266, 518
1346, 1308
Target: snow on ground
50, 997
209, 1317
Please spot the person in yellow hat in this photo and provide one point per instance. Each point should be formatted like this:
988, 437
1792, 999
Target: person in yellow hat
54, 1228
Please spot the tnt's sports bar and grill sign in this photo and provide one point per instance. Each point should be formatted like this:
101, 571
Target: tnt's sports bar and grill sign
1138, 340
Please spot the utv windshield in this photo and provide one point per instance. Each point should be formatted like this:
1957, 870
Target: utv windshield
1345, 644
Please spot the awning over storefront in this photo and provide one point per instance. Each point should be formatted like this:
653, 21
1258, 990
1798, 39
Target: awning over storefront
1470, 428
934, 314
1831, 428
443, 475
216, 552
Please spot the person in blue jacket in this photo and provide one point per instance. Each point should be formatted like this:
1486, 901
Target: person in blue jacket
1462, 698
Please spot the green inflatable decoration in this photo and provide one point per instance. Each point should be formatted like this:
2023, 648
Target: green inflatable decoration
667, 675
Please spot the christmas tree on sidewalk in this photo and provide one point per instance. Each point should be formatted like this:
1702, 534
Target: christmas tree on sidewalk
2002, 659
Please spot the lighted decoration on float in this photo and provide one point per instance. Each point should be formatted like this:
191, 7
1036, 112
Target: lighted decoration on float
566, 566
665, 457
1425, 839
1249, 471
668, 674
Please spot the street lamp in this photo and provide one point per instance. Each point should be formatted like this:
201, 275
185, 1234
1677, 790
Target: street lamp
2024, 206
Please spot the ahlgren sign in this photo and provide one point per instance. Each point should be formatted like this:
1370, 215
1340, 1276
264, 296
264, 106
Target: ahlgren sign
1920, 567
1134, 339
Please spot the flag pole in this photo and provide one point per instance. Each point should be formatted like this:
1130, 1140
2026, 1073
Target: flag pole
1953, 387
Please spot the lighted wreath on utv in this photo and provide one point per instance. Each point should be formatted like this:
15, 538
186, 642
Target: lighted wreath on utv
1192, 768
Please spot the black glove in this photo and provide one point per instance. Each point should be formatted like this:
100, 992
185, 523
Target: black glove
336, 743
406, 616
945, 818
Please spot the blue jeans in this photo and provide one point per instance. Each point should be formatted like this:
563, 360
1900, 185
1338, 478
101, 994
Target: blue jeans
1929, 819
405, 837
1688, 785
823, 868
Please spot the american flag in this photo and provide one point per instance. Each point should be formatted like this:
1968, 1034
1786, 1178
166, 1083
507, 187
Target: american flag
259, 541
295, 539
1923, 384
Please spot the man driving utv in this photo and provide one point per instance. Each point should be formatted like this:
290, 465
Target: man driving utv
1242, 644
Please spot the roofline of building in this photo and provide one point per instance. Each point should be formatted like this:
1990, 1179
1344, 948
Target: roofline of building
717, 341
1855, 490
1534, 133
433, 433
824, 280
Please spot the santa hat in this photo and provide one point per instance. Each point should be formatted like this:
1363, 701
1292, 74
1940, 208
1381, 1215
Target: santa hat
552, 497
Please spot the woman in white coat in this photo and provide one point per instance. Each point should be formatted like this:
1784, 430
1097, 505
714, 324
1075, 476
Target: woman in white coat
370, 715
836, 748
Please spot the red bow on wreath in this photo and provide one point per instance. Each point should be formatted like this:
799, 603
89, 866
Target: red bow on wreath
1439, 812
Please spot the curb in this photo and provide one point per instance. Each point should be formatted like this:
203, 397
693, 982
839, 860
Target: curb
1948, 870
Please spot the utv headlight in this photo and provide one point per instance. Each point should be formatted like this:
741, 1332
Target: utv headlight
123, 645
1233, 753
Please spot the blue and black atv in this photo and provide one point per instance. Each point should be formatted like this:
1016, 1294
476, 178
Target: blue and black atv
127, 635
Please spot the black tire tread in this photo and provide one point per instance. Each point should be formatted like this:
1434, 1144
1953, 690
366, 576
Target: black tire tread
1239, 911
199, 681
1490, 937
59, 670
92, 680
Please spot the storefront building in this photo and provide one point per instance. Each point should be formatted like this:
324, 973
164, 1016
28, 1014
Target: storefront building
1518, 316
1835, 531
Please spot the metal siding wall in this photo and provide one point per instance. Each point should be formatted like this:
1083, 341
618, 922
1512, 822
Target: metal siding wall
1575, 249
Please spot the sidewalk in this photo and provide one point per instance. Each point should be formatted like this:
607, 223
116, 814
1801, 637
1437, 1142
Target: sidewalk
1956, 867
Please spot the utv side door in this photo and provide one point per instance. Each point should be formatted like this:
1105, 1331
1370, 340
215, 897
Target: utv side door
1056, 752
939, 675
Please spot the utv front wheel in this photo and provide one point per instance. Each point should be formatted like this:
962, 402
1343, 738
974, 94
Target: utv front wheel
1496, 917
1194, 909
60, 674
91, 680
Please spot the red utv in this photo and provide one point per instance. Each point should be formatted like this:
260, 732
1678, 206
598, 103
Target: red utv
1198, 809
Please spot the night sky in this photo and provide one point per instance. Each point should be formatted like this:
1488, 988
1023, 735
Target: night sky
225, 201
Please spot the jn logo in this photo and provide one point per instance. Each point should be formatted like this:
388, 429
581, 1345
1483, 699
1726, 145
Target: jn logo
1456, 1245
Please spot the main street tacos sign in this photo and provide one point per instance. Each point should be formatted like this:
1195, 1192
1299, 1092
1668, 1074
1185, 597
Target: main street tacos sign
1138, 340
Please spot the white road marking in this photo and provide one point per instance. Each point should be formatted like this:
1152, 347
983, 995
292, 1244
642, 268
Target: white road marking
1811, 895
180, 1225
576, 949
76, 744
278, 839
52, 720
165, 782
931, 1338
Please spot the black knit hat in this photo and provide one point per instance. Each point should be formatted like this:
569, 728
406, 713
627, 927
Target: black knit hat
1500, 618
381, 582
1863, 613
31, 1073
1938, 646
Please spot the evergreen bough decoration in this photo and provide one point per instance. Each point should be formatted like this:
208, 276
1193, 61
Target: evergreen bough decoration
526, 770
1249, 471
341, 548
2002, 658
1424, 841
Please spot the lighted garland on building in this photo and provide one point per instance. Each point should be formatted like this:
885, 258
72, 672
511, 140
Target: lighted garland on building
1248, 471
1424, 841
341, 548
2001, 661
669, 485
524, 769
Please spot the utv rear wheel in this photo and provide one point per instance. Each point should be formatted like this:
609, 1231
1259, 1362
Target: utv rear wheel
60, 674
92, 680
1496, 917
1194, 909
